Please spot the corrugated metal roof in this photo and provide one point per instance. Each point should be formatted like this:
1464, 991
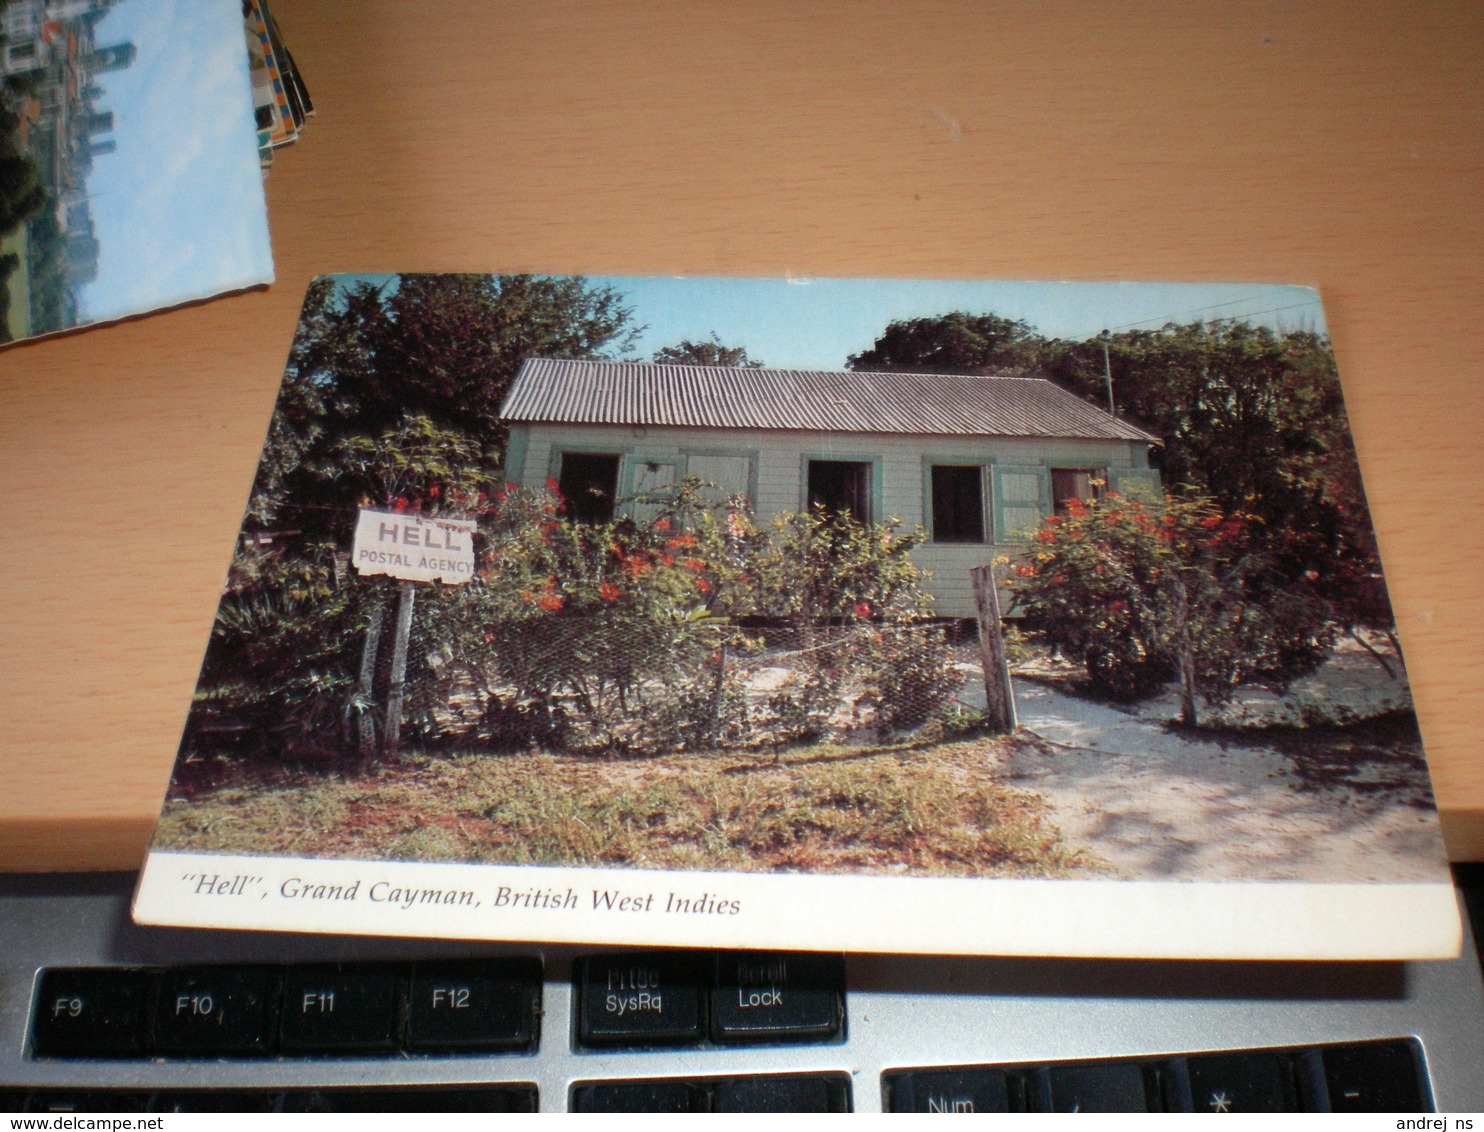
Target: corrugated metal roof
641, 393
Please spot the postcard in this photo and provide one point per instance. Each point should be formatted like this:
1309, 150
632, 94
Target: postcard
132, 180
272, 113
820, 614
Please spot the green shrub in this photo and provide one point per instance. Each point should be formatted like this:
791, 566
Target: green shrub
624, 636
910, 676
278, 680
624, 629
1139, 594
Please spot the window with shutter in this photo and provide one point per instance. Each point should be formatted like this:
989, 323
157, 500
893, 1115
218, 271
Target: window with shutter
1136, 483
649, 485
1020, 501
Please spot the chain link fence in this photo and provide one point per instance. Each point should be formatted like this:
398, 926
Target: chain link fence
578, 686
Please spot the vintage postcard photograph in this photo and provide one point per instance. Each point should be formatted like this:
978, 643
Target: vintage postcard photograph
954, 616
129, 171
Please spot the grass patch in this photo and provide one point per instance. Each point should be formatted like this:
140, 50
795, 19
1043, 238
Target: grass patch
925, 810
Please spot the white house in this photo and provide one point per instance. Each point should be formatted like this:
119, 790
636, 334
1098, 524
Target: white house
975, 461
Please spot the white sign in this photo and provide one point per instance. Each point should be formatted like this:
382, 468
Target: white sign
413, 548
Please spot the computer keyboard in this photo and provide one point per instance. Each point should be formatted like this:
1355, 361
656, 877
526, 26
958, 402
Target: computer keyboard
97, 1014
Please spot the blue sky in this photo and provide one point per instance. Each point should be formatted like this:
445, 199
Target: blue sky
818, 323
178, 206
821, 322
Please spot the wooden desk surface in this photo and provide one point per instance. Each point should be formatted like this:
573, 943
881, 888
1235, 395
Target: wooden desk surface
1339, 145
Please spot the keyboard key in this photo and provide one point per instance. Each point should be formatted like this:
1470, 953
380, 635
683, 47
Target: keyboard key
470, 1098
1372, 1077
770, 996
651, 998
483, 1004
639, 1096
350, 1009
1234, 1082
781, 1094
1104, 1087
90, 1012
214, 1010
948, 1090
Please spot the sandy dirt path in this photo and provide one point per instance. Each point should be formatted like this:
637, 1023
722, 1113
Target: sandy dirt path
1157, 804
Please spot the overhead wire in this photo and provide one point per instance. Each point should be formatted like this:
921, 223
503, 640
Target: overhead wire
1167, 319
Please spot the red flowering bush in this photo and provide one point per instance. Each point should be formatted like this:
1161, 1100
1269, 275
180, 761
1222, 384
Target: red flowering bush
625, 635
850, 598
616, 635
589, 635
1138, 594
813, 568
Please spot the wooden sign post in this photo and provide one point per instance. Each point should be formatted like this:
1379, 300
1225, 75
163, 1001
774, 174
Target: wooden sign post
412, 549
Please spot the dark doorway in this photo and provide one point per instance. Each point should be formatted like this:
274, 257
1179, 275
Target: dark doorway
958, 503
589, 484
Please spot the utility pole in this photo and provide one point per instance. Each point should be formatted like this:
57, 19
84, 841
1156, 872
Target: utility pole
1108, 373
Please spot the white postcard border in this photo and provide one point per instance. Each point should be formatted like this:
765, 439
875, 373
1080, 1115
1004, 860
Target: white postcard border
651, 908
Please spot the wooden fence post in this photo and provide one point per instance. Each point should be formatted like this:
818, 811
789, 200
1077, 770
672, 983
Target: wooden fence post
405, 601
999, 697
366, 686
718, 690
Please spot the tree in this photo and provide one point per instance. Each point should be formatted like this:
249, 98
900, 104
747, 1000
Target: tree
957, 342
1249, 417
324, 354
712, 353
450, 345
442, 347
390, 400
53, 303
22, 195
424, 469
413, 466
1254, 420
9, 263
